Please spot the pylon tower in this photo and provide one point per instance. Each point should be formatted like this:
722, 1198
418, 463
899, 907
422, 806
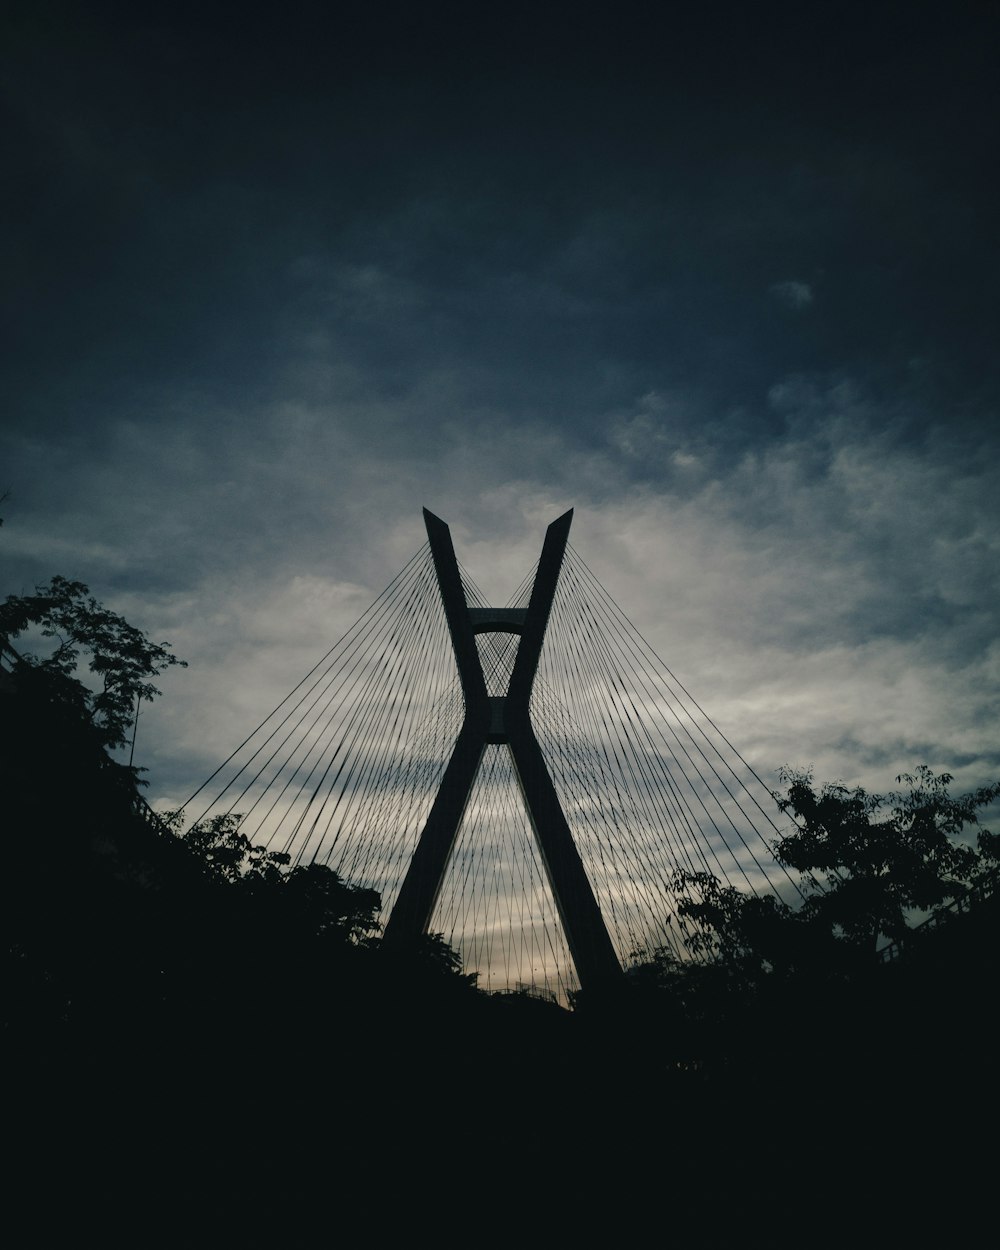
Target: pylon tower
505, 720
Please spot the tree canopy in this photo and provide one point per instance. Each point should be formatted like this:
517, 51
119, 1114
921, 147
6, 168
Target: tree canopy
121, 656
872, 861
312, 895
871, 866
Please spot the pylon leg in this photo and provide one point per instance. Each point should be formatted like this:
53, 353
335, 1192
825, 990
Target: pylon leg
504, 720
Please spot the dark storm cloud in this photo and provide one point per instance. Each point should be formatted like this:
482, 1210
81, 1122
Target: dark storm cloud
723, 279
619, 198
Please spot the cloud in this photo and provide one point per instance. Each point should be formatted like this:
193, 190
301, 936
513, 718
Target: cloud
793, 294
826, 596
746, 531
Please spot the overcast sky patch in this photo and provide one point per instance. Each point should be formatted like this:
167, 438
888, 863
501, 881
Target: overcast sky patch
248, 341
794, 295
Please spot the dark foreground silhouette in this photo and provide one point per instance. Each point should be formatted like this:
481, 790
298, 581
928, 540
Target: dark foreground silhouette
202, 1044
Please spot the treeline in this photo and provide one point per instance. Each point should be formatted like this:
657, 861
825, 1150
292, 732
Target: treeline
119, 926
774, 981
200, 990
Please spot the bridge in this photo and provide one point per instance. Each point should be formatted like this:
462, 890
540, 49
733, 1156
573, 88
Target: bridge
527, 780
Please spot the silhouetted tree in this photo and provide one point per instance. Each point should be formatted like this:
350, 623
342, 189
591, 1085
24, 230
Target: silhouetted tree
315, 896
762, 972
227, 855
747, 933
871, 860
121, 656
869, 864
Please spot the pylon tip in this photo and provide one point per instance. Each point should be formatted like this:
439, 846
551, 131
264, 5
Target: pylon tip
565, 519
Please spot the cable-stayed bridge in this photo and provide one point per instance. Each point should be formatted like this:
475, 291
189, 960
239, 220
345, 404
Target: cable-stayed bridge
528, 781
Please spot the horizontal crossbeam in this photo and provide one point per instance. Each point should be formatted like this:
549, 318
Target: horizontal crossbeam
497, 620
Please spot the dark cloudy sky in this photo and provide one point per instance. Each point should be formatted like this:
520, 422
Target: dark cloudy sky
723, 277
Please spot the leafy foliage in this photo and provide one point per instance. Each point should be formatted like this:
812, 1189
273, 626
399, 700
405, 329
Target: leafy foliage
869, 865
228, 855
313, 893
121, 656
745, 932
871, 860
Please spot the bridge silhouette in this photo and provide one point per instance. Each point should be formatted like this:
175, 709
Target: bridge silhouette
531, 781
